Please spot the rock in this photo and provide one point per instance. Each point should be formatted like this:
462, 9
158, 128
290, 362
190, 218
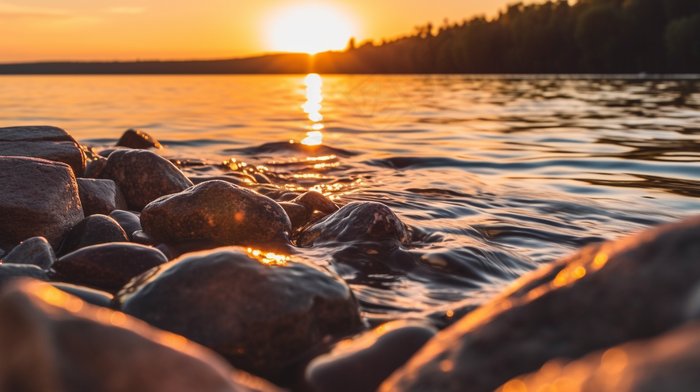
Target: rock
357, 221
54, 342
143, 176
142, 238
10, 272
182, 248
603, 296
50, 143
216, 211
93, 230
37, 198
34, 251
138, 139
261, 311
298, 214
232, 180
94, 167
100, 196
106, 267
316, 202
129, 221
91, 296
361, 364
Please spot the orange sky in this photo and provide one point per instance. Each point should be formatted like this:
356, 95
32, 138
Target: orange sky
34, 30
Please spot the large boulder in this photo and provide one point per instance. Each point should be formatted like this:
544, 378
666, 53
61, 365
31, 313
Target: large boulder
50, 143
143, 176
100, 196
51, 341
259, 310
93, 230
33, 251
604, 295
217, 211
37, 198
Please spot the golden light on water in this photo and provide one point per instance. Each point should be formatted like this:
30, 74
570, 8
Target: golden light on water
268, 258
312, 107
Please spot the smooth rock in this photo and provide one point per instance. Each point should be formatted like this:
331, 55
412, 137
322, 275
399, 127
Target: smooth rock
316, 202
54, 342
37, 198
142, 238
94, 167
100, 196
33, 251
91, 296
143, 176
357, 221
361, 364
10, 272
263, 313
138, 139
299, 215
50, 143
129, 221
232, 180
93, 230
217, 211
604, 295
182, 248
106, 267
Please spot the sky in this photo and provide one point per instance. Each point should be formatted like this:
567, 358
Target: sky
44, 30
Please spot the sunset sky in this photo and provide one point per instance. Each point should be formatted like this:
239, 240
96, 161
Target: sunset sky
33, 30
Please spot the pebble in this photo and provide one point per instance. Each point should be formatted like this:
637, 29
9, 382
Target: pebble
316, 202
50, 143
33, 251
100, 196
93, 230
138, 139
129, 221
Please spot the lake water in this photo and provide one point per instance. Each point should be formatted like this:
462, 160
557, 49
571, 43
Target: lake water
495, 175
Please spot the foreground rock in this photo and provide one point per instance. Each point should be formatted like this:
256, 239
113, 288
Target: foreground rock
54, 342
37, 198
217, 211
12, 272
93, 230
50, 143
603, 296
357, 221
138, 139
100, 196
143, 176
33, 251
262, 313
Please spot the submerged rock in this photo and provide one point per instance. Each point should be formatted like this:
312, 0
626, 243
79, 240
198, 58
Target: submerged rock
10, 272
100, 196
93, 230
37, 198
603, 296
261, 311
54, 342
138, 139
106, 267
357, 221
50, 143
33, 251
129, 221
143, 176
316, 202
217, 211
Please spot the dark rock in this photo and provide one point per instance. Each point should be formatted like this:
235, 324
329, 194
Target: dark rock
94, 167
100, 196
91, 296
357, 221
182, 248
143, 176
216, 211
10, 272
107, 152
50, 143
106, 267
37, 198
138, 139
261, 311
142, 238
34, 251
316, 202
298, 214
93, 230
603, 296
260, 178
361, 364
54, 342
129, 221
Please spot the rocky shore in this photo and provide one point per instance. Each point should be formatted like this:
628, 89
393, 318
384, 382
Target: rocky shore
120, 273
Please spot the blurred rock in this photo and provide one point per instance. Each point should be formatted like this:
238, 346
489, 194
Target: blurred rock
37, 198
184, 247
298, 214
138, 139
217, 211
142, 238
91, 296
106, 267
50, 143
100, 196
93, 230
129, 221
94, 167
33, 251
143, 176
316, 202
10, 272
261, 311
54, 342
603, 296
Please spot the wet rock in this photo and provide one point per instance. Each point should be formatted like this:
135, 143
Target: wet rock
357, 221
129, 221
298, 214
50, 143
182, 248
232, 180
54, 342
361, 364
37, 198
603, 296
142, 238
138, 139
316, 202
143, 176
34, 251
91, 296
94, 167
216, 211
106, 267
100, 196
10, 272
261, 311
93, 230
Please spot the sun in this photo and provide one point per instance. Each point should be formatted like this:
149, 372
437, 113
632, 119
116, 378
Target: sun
309, 28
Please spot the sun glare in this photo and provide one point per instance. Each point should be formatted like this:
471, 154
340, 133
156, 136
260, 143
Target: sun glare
310, 28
